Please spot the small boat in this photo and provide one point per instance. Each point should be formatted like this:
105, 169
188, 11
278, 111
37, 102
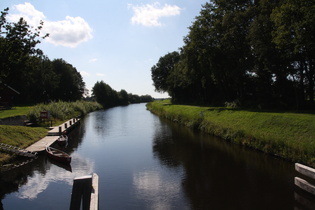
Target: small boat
58, 155
62, 140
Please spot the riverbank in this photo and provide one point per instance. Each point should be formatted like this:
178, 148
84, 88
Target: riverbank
22, 136
286, 135
19, 136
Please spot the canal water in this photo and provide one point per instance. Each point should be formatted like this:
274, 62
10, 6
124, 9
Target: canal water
144, 162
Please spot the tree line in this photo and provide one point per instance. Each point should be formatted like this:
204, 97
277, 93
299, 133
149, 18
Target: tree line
248, 53
24, 67
109, 97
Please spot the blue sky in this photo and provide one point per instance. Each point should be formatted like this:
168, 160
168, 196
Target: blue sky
114, 41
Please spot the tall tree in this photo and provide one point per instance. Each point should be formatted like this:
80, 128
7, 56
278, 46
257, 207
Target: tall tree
294, 34
161, 72
71, 85
18, 50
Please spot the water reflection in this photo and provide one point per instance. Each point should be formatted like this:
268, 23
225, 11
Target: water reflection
158, 190
30, 182
38, 182
219, 175
145, 162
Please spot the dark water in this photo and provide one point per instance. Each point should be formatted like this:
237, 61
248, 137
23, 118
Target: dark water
144, 162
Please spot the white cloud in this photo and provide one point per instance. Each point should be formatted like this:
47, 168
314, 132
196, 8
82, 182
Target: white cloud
28, 12
100, 75
84, 73
69, 32
150, 14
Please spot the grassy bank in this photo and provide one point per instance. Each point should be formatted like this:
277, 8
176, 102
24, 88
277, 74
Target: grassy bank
22, 136
287, 135
19, 136
15, 111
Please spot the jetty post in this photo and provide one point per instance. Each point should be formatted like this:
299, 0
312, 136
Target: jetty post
85, 191
303, 184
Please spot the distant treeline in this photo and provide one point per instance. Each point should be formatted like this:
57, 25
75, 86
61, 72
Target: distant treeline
109, 97
249, 53
27, 70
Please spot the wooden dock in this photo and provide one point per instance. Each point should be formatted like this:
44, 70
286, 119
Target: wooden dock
66, 126
53, 135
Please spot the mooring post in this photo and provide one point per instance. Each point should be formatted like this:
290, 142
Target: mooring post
81, 190
303, 184
59, 130
85, 191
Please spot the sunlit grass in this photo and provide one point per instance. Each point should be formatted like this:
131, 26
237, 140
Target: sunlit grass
22, 136
15, 111
19, 136
288, 135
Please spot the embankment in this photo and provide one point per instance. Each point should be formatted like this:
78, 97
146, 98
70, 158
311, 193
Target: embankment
286, 135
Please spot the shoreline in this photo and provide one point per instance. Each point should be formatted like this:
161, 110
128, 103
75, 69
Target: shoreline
290, 136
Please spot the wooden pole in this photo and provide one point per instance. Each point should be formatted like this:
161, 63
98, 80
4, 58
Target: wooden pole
305, 170
303, 184
85, 191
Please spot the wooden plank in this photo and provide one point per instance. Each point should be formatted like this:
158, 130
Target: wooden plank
51, 137
304, 185
305, 170
40, 145
94, 194
81, 191
57, 130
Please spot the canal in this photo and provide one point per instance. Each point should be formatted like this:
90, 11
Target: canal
144, 162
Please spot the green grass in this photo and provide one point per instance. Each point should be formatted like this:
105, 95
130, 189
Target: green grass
287, 135
22, 136
19, 136
15, 111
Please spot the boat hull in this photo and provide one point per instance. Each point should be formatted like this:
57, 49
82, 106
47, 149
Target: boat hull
58, 155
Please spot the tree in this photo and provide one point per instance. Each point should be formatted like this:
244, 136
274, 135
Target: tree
104, 94
294, 34
161, 72
71, 86
18, 50
123, 97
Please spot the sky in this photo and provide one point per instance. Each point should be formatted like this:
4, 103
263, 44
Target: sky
117, 42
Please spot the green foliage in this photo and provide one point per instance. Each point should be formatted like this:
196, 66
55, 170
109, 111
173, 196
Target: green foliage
162, 71
25, 68
287, 135
259, 53
63, 110
109, 97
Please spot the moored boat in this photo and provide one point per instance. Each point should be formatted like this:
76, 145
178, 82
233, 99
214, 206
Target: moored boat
62, 140
58, 155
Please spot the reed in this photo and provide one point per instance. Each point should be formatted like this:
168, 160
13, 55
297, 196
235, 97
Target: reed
287, 135
60, 111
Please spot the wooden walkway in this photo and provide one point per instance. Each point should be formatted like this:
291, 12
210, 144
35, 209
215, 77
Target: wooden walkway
52, 135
